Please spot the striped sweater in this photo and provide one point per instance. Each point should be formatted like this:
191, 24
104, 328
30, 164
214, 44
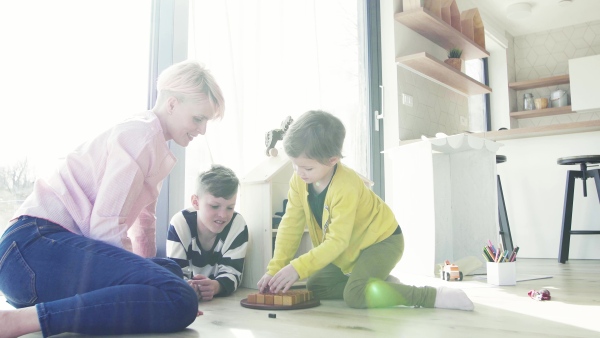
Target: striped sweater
224, 262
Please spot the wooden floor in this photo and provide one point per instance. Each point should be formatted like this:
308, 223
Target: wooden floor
505, 311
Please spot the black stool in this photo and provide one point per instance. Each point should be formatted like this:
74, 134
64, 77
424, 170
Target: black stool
584, 174
507, 242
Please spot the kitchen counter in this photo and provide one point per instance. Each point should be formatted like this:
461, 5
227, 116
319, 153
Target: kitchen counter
555, 129
517, 133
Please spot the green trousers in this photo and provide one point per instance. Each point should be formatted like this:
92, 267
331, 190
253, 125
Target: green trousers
366, 287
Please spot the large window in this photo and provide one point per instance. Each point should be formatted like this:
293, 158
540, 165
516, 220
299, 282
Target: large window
275, 59
69, 70
478, 115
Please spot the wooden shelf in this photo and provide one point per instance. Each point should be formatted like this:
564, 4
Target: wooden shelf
541, 112
543, 82
444, 35
428, 66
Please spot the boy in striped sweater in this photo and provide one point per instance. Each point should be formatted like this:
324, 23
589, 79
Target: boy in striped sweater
209, 239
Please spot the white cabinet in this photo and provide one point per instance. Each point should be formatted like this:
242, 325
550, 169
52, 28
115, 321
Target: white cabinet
262, 193
445, 199
585, 74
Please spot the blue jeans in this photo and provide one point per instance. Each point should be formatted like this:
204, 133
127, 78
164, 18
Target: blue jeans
86, 286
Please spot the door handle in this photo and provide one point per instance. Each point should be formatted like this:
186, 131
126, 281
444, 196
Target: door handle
377, 115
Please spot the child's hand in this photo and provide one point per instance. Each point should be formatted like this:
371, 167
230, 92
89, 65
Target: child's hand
263, 283
284, 279
205, 287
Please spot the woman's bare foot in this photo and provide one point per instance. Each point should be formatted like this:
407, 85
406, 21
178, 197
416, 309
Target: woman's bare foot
18, 322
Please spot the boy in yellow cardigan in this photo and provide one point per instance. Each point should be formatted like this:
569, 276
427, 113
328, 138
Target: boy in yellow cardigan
356, 238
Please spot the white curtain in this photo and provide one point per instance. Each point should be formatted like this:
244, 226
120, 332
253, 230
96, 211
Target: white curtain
69, 70
276, 58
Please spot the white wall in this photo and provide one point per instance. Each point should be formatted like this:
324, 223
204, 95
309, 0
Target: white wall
534, 187
547, 54
533, 183
498, 81
435, 107
496, 43
388, 78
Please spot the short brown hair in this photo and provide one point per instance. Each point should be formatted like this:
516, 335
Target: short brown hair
316, 134
218, 181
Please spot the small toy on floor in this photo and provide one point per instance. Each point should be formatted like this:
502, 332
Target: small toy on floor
450, 271
542, 294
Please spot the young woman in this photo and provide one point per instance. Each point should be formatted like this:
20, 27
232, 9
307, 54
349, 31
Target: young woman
74, 258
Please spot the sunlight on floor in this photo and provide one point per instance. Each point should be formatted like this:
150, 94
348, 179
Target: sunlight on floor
242, 333
583, 316
516, 300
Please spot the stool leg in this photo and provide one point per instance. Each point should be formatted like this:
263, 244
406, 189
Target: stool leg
507, 242
565, 236
596, 174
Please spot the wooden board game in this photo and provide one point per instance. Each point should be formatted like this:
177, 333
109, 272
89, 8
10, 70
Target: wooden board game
290, 300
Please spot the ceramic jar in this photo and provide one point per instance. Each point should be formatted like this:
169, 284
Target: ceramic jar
528, 101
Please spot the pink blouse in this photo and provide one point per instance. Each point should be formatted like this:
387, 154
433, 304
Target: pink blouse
108, 187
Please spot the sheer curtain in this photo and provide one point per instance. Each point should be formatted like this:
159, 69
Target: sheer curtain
69, 69
275, 59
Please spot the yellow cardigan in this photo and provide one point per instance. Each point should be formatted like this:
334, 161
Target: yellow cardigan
354, 218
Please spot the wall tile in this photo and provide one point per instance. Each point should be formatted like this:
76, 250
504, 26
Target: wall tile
435, 107
589, 36
578, 32
547, 54
560, 35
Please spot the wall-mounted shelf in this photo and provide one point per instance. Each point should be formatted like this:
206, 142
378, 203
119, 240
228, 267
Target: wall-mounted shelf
444, 35
428, 66
543, 82
541, 112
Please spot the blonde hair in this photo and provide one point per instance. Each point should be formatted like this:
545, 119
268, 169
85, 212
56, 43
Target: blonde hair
190, 80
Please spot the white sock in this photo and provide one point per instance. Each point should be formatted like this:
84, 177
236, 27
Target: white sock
449, 298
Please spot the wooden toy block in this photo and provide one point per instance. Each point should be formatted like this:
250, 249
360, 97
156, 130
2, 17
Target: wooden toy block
451, 14
291, 297
411, 4
472, 26
288, 300
433, 6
